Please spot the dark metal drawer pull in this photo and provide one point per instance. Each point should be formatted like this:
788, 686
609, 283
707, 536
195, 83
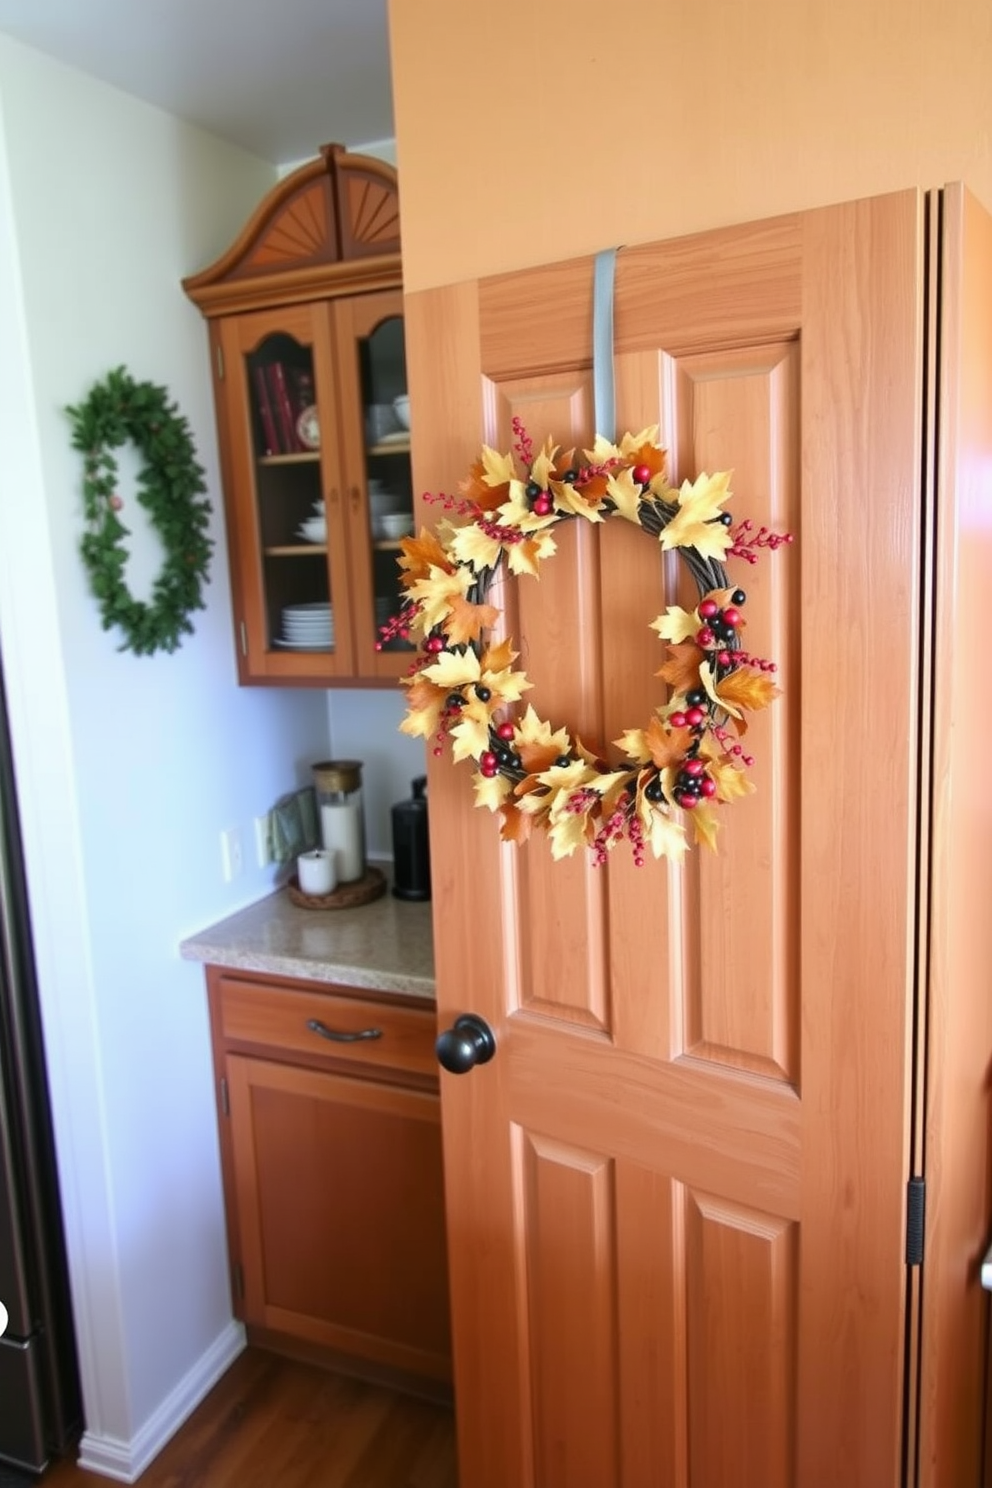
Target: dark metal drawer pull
315, 1026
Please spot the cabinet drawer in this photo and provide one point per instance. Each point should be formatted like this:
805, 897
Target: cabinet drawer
295, 1022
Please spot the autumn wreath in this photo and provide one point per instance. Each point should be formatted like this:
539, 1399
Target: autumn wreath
688, 757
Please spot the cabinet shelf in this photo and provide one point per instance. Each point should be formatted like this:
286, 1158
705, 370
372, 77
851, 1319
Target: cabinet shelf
296, 550
394, 447
301, 457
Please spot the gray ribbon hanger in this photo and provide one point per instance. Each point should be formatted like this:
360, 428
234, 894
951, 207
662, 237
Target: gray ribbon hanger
603, 375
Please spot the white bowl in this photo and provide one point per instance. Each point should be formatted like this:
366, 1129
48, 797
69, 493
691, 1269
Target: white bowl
394, 525
314, 530
401, 407
383, 502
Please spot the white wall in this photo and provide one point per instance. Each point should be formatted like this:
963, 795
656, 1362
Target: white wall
365, 726
128, 767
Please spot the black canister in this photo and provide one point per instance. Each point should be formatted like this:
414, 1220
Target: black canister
412, 846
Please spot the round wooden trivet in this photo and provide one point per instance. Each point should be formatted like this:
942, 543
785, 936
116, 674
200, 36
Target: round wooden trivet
345, 896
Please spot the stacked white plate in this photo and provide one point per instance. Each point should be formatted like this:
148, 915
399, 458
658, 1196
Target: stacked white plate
307, 627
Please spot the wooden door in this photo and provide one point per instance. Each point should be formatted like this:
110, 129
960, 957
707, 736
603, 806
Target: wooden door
676, 1195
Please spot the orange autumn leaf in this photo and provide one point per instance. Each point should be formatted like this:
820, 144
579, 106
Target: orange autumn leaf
682, 672
422, 694
667, 746
477, 489
497, 658
467, 621
420, 555
516, 824
537, 756
650, 456
746, 688
593, 491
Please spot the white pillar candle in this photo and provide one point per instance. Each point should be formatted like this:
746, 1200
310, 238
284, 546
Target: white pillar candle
343, 832
315, 871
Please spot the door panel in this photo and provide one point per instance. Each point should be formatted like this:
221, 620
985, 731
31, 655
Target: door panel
694, 1130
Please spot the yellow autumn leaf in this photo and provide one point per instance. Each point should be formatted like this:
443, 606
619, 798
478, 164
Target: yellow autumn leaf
506, 686
469, 737
453, 669
572, 498
543, 464
518, 512
536, 742
706, 677
696, 524
602, 452
524, 557
631, 445
676, 624
730, 781
567, 832
705, 824
437, 593
497, 469
635, 746
564, 780
625, 494
470, 545
491, 790
665, 836
423, 716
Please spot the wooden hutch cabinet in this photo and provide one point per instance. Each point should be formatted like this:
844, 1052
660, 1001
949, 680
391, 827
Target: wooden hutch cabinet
306, 337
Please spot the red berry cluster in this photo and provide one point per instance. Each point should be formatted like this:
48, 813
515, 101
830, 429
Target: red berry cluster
502, 755
622, 823
747, 547
719, 629
397, 627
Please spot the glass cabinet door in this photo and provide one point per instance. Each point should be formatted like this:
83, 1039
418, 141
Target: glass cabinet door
292, 557
372, 367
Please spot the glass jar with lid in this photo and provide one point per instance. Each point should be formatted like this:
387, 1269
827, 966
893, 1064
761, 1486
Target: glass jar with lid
338, 784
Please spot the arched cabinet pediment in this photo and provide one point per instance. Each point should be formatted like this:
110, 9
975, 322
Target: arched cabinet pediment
331, 227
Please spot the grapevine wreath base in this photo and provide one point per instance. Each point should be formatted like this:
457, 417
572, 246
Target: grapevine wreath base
687, 759
169, 486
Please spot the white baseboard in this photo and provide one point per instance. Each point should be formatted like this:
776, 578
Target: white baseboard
127, 1460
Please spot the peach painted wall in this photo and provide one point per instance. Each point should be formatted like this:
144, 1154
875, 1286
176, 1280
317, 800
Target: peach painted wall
531, 130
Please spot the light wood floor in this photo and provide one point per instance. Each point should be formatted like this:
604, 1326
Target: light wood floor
274, 1423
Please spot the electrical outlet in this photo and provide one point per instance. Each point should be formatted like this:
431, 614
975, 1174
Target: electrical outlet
231, 855
264, 846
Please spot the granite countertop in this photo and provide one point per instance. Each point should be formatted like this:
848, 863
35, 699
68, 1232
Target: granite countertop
385, 946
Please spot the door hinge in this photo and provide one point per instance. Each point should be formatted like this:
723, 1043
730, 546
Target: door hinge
916, 1204
220, 361
243, 633
225, 1103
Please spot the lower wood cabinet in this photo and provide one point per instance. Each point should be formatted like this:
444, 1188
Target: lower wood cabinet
331, 1149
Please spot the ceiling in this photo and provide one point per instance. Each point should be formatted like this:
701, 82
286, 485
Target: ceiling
278, 77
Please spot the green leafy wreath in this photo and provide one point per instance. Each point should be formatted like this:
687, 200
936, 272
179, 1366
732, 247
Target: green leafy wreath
169, 485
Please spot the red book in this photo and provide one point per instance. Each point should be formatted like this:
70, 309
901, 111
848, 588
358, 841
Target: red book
283, 404
269, 434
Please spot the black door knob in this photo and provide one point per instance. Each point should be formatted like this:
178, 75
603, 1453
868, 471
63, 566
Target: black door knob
468, 1042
